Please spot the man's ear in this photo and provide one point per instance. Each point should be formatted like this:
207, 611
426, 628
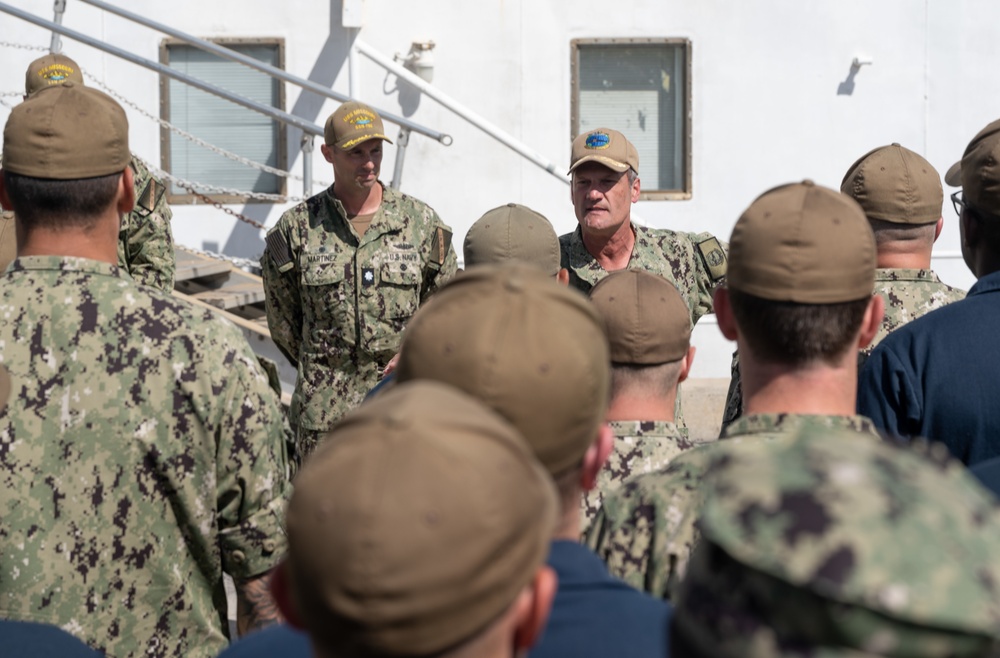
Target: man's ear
4, 197
596, 456
327, 153
282, 594
563, 276
686, 362
724, 313
533, 606
938, 228
872, 321
636, 188
126, 192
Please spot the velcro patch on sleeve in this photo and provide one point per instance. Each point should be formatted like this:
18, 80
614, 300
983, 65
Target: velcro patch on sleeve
714, 258
278, 250
442, 240
149, 197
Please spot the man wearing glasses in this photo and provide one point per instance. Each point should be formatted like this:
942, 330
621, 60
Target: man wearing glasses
937, 376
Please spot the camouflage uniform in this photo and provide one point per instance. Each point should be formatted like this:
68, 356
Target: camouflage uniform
641, 446
145, 242
829, 545
693, 262
908, 294
141, 455
337, 303
646, 529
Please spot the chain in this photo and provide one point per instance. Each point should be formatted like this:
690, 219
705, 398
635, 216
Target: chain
217, 204
22, 46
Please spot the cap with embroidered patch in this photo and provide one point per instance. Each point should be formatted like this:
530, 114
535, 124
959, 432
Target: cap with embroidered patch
533, 350
513, 233
604, 146
803, 243
51, 70
416, 524
66, 132
978, 172
894, 184
647, 321
352, 124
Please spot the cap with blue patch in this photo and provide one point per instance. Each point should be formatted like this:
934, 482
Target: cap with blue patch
606, 147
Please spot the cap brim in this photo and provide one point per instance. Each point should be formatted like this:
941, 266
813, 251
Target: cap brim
953, 176
354, 141
613, 165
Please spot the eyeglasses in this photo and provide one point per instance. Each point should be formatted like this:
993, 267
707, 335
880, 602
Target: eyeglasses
958, 202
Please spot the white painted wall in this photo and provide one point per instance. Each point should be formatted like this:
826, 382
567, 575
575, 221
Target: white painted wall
766, 107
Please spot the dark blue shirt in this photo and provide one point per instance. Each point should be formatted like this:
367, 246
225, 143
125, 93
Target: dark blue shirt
597, 615
22, 639
281, 640
939, 376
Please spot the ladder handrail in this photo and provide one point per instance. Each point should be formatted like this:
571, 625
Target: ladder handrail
272, 71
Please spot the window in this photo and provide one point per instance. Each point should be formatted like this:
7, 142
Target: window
641, 87
220, 122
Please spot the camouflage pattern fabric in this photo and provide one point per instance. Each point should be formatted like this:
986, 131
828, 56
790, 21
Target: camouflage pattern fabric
827, 544
337, 303
647, 528
674, 256
641, 446
908, 294
145, 241
141, 455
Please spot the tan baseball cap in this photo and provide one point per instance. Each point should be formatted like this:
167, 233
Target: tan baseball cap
51, 70
513, 233
416, 524
647, 321
604, 146
66, 132
533, 350
352, 124
894, 184
4, 387
803, 243
978, 172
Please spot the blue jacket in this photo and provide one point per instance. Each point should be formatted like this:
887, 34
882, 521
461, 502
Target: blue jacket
939, 376
597, 615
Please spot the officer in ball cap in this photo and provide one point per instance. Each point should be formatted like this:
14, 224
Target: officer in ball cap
145, 241
149, 453
936, 377
798, 302
343, 273
901, 195
649, 332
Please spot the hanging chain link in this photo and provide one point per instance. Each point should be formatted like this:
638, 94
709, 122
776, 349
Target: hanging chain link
180, 182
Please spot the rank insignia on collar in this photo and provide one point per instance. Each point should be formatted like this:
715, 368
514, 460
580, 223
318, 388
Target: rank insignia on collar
367, 276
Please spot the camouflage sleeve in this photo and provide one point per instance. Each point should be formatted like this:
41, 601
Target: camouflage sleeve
711, 260
252, 487
440, 257
282, 299
145, 241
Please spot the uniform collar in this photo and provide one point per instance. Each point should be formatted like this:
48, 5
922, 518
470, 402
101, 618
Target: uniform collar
66, 264
769, 423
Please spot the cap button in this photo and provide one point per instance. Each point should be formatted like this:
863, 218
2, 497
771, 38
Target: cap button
514, 284
895, 144
808, 182
512, 205
68, 83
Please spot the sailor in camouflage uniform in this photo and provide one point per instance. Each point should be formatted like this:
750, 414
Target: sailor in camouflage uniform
145, 241
798, 303
901, 195
605, 170
344, 271
828, 545
649, 332
143, 451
